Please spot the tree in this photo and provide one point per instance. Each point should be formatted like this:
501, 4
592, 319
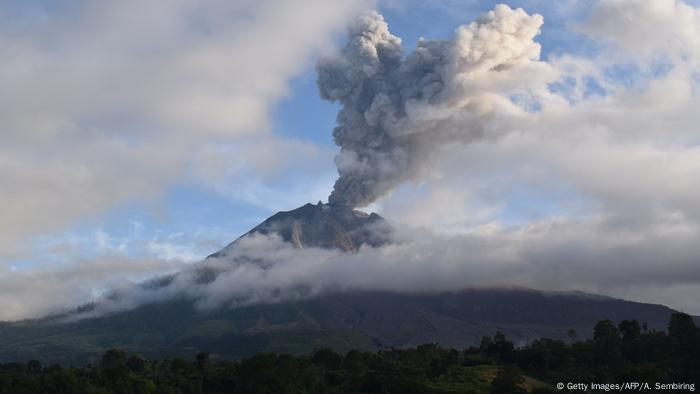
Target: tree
685, 340
354, 362
115, 370
113, 359
630, 329
202, 362
606, 343
136, 364
681, 326
34, 366
498, 347
606, 333
486, 343
328, 358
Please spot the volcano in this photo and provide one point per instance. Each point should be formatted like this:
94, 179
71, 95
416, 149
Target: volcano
343, 320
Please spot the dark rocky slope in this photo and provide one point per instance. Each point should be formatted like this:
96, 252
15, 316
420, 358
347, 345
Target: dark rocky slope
322, 226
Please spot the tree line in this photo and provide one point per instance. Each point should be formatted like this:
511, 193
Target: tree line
623, 352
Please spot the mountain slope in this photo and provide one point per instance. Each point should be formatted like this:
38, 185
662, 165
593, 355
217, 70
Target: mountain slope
361, 320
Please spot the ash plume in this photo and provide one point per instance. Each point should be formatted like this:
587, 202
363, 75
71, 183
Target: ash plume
398, 109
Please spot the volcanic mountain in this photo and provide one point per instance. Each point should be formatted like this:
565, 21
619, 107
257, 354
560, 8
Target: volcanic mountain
322, 226
366, 320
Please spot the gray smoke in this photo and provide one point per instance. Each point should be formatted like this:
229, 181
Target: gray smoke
398, 110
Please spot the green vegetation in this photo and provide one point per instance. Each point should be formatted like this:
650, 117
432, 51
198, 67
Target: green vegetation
626, 352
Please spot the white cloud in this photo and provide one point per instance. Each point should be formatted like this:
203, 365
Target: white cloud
109, 102
647, 28
48, 289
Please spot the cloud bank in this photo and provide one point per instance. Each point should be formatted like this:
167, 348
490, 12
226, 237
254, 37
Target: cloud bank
548, 255
48, 289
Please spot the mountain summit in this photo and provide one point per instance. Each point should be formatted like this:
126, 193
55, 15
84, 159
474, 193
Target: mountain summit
322, 226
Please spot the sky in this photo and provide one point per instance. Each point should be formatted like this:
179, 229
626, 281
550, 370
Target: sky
138, 138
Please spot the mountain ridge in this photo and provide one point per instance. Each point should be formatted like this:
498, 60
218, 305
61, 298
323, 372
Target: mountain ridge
342, 320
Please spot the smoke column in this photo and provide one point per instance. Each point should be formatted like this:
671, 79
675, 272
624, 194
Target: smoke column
398, 109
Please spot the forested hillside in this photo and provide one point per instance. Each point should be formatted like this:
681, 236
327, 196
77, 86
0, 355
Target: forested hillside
617, 353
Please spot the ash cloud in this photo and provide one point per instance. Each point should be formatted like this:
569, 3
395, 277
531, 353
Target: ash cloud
398, 109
